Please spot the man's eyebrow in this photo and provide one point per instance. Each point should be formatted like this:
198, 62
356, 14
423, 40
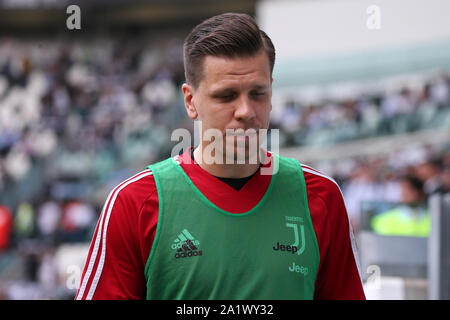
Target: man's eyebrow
233, 89
260, 86
220, 91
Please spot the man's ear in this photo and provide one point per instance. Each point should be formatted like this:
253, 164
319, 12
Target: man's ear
188, 93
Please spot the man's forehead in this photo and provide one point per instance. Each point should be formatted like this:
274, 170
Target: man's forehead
224, 69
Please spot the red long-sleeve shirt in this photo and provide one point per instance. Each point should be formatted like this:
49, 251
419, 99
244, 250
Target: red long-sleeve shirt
127, 225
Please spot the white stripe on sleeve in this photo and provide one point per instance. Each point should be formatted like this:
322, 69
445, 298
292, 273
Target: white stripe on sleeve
352, 237
111, 198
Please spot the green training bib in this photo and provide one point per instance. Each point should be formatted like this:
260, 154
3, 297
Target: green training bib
203, 252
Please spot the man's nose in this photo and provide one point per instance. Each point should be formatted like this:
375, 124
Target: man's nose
244, 110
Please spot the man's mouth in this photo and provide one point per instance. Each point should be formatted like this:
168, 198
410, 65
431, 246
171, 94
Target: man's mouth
242, 136
241, 132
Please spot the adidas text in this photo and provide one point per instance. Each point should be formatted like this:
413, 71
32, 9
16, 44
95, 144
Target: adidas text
188, 254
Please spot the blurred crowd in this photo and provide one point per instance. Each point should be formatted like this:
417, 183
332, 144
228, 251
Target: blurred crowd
379, 112
381, 180
84, 106
74, 114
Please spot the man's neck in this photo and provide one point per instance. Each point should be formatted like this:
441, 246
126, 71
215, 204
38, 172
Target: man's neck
228, 170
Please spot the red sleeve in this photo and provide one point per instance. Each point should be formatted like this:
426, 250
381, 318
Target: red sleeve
121, 243
338, 276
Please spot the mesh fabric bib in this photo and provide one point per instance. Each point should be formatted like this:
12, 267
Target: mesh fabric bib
203, 252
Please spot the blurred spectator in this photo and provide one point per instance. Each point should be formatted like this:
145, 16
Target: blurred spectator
411, 217
49, 219
291, 117
24, 221
446, 171
47, 274
430, 173
5, 227
446, 178
369, 181
361, 186
397, 103
440, 91
77, 221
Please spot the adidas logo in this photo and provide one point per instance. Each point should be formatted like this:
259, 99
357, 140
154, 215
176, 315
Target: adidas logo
186, 245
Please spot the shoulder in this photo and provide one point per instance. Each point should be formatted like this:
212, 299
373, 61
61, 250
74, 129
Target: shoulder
325, 200
321, 185
141, 181
132, 192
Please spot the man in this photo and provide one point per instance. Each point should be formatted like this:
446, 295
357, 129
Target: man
205, 226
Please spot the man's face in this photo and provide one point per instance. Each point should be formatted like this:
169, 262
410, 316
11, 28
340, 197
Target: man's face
233, 93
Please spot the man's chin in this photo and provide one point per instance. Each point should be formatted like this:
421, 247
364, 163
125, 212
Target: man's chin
242, 153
